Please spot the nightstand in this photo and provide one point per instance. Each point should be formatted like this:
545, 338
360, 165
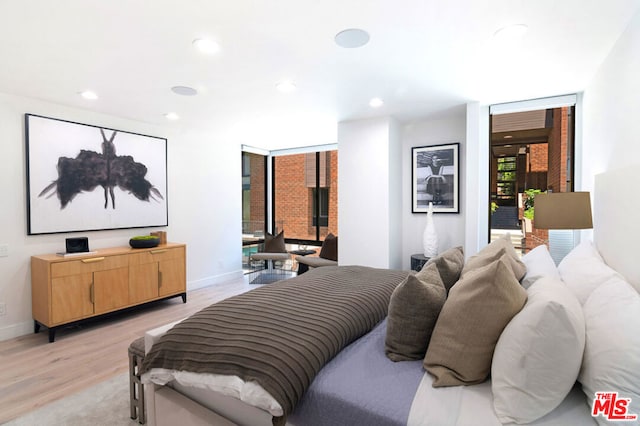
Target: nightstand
418, 261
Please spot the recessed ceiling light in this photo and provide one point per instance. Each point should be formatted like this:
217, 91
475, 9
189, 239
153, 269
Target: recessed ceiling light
352, 38
508, 136
184, 90
508, 146
286, 86
376, 103
172, 116
511, 32
206, 45
88, 94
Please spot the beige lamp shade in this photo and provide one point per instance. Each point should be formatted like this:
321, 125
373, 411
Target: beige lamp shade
562, 210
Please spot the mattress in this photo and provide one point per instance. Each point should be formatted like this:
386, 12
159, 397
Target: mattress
360, 386
473, 405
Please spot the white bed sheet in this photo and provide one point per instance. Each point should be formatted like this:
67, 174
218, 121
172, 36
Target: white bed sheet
473, 405
250, 393
233, 386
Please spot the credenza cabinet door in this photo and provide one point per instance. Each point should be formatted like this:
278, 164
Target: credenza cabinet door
156, 273
71, 298
111, 289
143, 282
171, 276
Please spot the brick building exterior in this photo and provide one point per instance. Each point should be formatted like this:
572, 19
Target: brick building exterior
558, 151
254, 196
294, 183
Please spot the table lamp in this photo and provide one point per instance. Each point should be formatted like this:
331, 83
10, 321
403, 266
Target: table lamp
560, 212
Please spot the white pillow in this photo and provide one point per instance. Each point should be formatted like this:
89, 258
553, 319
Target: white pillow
612, 352
539, 264
583, 270
538, 356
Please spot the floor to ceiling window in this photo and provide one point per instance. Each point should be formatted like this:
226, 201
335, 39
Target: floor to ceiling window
304, 203
254, 204
305, 196
531, 152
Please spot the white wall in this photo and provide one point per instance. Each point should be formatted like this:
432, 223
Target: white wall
476, 194
610, 110
451, 127
367, 190
395, 195
611, 142
204, 205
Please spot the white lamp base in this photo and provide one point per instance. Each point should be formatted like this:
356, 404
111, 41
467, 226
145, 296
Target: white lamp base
561, 242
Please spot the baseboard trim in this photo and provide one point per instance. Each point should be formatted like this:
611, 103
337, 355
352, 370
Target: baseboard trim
216, 279
16, 330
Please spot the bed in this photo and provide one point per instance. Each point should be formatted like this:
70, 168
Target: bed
355, 382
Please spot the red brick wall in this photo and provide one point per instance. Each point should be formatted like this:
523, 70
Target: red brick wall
291, 196
333, 197
257, 198
538, 157
564, 147
293, 199
558, 151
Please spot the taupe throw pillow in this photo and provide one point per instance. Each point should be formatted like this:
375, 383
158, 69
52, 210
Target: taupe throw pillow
493, 252
413, 312
478, 308
274, 244
449, 264
329, 248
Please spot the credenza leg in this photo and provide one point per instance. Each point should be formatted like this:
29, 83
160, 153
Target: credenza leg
52, 334
184, 297
36, 327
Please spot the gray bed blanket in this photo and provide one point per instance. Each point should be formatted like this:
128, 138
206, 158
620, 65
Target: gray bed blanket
361, 386
282, 334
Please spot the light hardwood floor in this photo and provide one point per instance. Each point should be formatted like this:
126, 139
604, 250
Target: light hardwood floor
34, 372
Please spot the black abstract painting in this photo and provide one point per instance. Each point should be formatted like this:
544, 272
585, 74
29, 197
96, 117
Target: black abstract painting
83, 177
91, 169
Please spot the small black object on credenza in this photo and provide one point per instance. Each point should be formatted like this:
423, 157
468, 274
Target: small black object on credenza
77, 245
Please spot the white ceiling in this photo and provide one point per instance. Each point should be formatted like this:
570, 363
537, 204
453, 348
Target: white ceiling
424, 57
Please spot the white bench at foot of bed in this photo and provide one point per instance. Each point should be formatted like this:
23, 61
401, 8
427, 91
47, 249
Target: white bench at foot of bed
173, 408
187, 406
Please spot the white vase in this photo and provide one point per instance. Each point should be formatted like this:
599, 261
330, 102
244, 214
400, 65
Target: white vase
430, 237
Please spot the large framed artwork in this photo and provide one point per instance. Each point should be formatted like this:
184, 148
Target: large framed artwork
435, 176
87, 178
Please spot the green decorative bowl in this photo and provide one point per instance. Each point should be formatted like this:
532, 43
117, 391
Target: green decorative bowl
144, 241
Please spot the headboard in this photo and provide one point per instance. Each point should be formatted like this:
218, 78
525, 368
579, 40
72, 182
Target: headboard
616, 223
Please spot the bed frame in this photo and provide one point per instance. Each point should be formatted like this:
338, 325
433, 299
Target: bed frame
168, 406
615, 229
614, 238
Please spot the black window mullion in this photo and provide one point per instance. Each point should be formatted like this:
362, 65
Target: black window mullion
317, 212
273, 194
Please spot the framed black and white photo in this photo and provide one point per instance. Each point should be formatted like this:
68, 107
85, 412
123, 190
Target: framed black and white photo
87, 178
435, 176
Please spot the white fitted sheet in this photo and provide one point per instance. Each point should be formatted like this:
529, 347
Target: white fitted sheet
473, 405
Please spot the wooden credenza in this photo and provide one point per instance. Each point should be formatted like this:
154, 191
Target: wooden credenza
70, 289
